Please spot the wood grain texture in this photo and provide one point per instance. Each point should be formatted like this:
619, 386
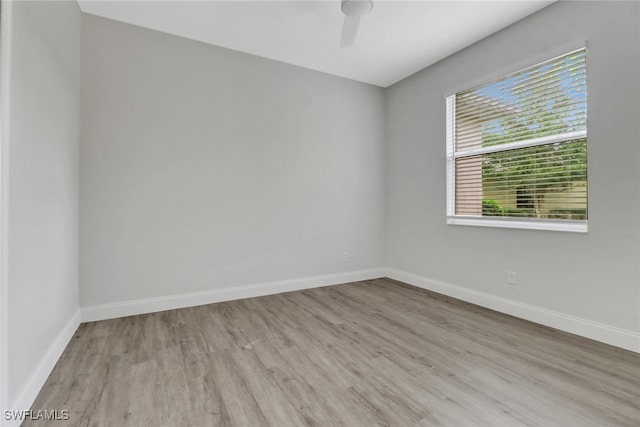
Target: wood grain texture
368, 353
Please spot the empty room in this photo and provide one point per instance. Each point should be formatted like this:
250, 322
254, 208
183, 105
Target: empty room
320, 213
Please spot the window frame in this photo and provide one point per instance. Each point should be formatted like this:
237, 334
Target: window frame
579, 226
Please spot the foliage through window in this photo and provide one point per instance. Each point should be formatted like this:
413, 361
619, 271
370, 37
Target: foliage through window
517, 148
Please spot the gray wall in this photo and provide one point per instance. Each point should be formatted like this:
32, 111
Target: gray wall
594, 276
205, 168
42, 187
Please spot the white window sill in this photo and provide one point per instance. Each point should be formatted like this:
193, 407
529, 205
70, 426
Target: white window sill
526, 224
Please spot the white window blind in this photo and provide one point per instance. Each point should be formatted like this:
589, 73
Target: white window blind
517, 149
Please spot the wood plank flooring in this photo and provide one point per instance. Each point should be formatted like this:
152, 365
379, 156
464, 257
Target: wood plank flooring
362, 354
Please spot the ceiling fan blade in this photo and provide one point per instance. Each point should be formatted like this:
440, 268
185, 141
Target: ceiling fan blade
349, 30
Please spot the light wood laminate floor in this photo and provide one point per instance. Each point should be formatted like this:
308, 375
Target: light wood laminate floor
362, 354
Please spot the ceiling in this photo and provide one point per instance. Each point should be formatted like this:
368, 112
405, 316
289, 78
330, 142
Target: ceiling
394, 41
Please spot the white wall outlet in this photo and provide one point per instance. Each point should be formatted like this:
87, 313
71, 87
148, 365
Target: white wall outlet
345, 256
511, 278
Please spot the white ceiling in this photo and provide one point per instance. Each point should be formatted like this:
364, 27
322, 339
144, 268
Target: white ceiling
394, 41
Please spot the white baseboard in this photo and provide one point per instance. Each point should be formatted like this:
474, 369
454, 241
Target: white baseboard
34, 384
618, 337
191, 299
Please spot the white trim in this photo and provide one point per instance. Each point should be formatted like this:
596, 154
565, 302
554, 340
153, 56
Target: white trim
451, 163
533, 142
521, 223
34, 384
191, 299
623, 338
5, 96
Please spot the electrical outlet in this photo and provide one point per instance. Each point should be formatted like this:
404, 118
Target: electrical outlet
511, 278
345, 256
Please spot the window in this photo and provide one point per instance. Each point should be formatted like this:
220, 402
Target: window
517, 149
